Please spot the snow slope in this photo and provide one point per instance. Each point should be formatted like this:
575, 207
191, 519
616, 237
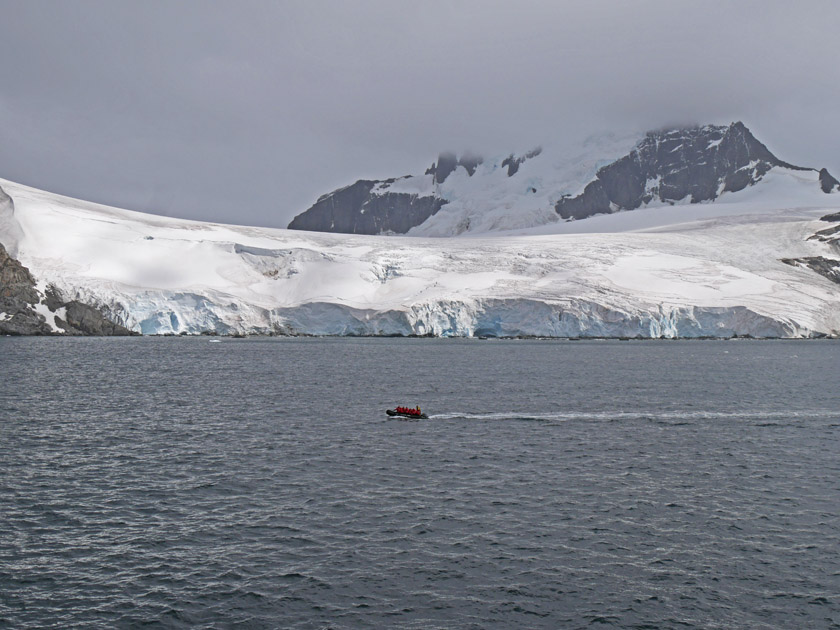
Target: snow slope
490, 200
682, 271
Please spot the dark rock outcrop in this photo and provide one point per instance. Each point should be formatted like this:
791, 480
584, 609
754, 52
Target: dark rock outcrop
470, 162
19, 299
829, 235
80, 318
357, 210
824, 266
89, 321
698, 163
827, 182
512, 162
447, 162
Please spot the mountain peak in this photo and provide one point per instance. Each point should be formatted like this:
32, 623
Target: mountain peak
684, 164
696, 163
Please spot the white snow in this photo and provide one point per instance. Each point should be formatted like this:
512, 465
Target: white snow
684, 270
652, 185
780, 190
490, 200
49, 316
422, 186
42, 309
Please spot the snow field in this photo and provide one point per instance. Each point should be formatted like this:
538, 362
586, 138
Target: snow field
688, 270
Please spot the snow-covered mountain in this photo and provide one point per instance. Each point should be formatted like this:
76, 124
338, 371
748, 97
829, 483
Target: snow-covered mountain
472, 195
757, 262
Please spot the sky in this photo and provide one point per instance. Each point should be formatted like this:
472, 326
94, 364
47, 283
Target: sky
246, 112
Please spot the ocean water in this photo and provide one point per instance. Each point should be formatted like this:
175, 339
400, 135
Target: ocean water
257, 483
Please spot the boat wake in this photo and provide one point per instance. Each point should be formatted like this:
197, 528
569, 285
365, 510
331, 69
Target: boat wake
758, 416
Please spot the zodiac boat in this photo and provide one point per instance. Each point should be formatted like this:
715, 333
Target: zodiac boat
408, 413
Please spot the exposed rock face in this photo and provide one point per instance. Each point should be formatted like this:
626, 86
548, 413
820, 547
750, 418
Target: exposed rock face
20, 303
699, 163
470, 162
824, 266
513, 163
829, 235
446, 164
81, 318
368, 207
357, 210
18, 298
827, 182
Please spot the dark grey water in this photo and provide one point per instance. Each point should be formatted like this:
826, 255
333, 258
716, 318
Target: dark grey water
257, 484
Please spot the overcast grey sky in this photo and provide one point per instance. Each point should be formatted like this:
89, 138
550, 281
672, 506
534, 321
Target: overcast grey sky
247, 111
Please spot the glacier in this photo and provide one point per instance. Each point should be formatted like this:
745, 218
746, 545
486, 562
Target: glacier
683, 271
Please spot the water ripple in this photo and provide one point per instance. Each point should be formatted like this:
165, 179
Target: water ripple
157, 482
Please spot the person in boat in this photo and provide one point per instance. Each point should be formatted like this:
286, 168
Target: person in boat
409, 411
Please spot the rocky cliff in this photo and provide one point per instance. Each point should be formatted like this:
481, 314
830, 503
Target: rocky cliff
18, 298
364, 208
24, 310
827, 267
699, 163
